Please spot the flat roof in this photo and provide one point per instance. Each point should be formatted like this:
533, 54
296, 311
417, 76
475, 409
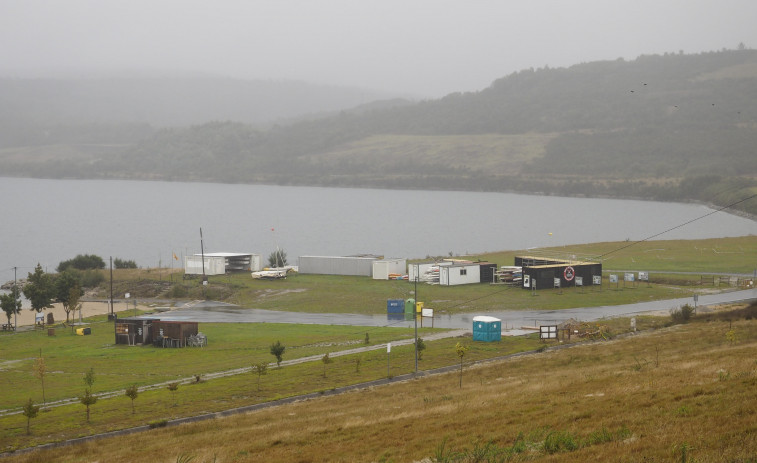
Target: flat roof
344, 257
226, 254
485, 318
554, 262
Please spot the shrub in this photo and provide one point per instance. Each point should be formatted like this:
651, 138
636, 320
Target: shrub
682, 314
120, 263
157, 424
178, 291
559, 441
90, 278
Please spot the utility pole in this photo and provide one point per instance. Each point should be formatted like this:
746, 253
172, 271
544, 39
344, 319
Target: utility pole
111, 287
15, 301
202, 253
415, 317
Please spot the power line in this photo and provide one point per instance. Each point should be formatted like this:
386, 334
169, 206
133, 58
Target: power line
626, 246
679, 226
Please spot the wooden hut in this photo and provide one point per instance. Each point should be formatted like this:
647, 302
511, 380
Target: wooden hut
173, 334
133, 331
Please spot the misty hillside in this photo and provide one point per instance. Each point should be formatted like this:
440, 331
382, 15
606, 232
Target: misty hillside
672, 127
168, 101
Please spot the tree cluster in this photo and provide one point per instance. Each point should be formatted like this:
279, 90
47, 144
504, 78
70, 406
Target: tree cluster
82, 262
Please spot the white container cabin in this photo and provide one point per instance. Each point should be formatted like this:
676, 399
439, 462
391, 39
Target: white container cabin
459, 274
389, 268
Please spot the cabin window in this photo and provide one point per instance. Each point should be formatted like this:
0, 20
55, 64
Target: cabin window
463, 271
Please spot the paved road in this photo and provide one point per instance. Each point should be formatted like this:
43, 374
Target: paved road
215, 312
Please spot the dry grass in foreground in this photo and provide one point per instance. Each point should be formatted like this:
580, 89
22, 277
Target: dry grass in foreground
685, 393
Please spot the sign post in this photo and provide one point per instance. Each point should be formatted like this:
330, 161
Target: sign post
597, 280
388, 368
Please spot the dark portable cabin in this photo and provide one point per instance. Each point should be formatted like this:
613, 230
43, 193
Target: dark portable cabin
487, 272
133, 331
487, 329
172, 334
542, 273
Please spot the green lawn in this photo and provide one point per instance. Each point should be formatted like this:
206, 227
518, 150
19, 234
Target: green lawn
68, 356
231, 346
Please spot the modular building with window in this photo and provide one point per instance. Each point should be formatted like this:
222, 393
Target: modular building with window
459, 274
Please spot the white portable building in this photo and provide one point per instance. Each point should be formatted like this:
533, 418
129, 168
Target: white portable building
333, 265
422, 270
238, 261
193, 265
385, 267
459, 274
219, 263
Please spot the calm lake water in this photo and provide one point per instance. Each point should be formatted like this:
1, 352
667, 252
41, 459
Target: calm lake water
48, 221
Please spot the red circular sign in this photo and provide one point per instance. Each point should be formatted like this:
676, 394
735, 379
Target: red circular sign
569, 273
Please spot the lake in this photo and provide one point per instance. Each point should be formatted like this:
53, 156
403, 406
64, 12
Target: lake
47, 221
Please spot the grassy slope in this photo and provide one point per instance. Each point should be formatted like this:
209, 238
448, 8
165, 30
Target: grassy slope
644, 397
720, 255
479, 153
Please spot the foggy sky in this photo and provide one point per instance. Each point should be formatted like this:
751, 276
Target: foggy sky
424, 48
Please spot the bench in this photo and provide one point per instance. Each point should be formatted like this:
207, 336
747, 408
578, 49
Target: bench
8, 327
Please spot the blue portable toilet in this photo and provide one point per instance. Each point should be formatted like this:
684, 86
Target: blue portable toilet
487, 329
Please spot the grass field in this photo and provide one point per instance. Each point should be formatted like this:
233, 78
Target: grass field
231, 346
675, 268
681, 393
722, 255
234, 346
68, 356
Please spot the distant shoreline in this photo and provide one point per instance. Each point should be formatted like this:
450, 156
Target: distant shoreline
294, 183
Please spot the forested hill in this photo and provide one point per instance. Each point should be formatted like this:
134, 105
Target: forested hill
672, 127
